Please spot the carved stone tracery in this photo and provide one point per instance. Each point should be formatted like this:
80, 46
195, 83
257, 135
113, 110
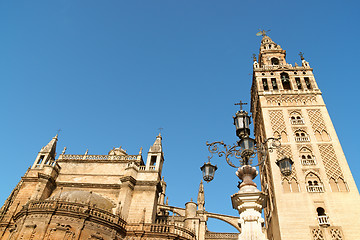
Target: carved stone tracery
331, 164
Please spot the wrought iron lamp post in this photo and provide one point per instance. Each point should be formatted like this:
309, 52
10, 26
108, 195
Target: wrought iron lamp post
244, 150
249, 201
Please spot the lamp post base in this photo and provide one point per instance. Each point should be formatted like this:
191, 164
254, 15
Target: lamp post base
249, 202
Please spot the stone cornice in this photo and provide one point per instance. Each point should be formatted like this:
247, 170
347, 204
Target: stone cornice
48, 178
88, 185
129, 179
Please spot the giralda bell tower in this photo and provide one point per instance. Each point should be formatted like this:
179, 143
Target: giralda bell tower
318, 199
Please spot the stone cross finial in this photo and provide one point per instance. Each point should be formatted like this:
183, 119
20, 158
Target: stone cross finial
254, 57
301, 54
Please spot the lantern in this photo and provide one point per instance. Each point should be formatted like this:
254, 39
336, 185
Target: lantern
285, 165
208, 171
242, 122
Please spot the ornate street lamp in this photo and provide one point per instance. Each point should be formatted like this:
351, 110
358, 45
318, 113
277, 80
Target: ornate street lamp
285, 165
208, 171
244, 151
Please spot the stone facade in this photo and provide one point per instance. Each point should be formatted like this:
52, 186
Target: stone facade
319, 200
114, 196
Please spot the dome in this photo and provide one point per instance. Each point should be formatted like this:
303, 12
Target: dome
118, 151
84, 197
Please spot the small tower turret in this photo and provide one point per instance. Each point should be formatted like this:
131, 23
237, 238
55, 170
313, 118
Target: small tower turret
271, 53
47, 154
155, 156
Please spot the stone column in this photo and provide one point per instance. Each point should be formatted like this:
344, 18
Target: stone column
249, 201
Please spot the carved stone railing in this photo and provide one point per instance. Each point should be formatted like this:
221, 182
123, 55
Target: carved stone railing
302, 139
70, 208
217, 235
98, 157
324, 220
308, 162
162, 229
315, 189
280, 66
297, 121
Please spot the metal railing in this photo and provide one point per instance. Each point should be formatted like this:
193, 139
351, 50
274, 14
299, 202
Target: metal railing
315, 189
308, 162
324, 220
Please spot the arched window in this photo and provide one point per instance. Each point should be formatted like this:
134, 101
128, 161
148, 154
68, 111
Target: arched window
275, 61
285, 80
307, 83
325, 136
314, 184
301, 136
338, 186
284, 137
296, 118
290, 185
265, 84
306, 157
322, 217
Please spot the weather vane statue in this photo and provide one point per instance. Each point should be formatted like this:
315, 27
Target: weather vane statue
262, 32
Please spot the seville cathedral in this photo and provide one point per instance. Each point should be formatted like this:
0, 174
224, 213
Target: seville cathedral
307, 189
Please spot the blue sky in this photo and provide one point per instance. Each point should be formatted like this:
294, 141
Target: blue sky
110, 73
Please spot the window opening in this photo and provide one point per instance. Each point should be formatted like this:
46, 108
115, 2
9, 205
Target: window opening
265, 84
307, 82
322, 217
298, 83
41, 159
274, 84
153, 160
313, 183
274, 61
285, 80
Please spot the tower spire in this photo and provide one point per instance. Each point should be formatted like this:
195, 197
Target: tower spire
271, 53
47, 154
201, 197
157, 146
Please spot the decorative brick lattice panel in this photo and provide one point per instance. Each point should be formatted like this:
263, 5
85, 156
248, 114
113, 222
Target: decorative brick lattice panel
308, 146
316, 120
277, 121
336, 234
285, 151
291, 100
328, 156
317, 234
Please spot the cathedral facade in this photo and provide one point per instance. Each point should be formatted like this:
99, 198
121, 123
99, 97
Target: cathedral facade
122, 196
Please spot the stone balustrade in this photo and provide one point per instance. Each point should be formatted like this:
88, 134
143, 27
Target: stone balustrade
297, 121
79, 209
324, 220
302, 139
287, 66
98, 157
308, 162
315, 189
162, 229
219, 235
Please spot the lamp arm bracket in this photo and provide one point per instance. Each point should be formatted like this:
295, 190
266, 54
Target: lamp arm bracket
215, 148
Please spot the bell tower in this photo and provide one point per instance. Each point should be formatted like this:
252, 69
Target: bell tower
317, 197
